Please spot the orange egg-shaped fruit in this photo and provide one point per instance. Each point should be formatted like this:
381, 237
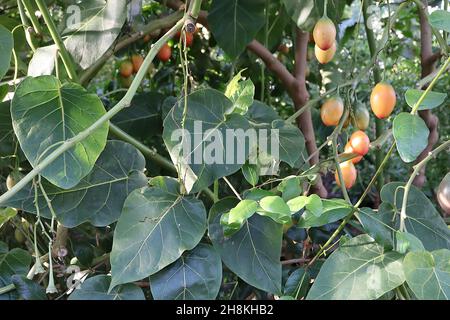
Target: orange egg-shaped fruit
349, 150
325, 56
126, 69
360, 142
137, 61
382, 100
349, 174
324, 33
362, 117
331, 111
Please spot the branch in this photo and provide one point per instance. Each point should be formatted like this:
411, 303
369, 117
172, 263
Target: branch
152, 29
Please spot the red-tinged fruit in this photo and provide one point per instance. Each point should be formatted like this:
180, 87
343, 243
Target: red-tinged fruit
360, 142
126, 69
165, 53
349, 150
443, 194
383, 100
137, 61
324, 33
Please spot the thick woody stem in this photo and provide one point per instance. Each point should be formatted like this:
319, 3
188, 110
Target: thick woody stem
427, 59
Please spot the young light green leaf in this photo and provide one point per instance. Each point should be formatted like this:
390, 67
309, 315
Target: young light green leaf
298, 203
275, 208
314, 205
360, 269
290, 188
428, 274
244, 210
411, 135
405, 241
197, 275
431, 101
6, 214
333, 210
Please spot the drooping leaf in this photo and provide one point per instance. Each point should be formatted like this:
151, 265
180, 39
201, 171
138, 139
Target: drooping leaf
440, 19
96, 288
241, 93
378, 225
234, 24
411, 134
428, 274
290, 188
99, 197
251, 173
43, 61
197, 275
155, 228
143, 118
46, 113
253, 253
214, 144
422, 219
6, 47
239, 214
297, 284
91, 27
28, 289
360, 269
431, 101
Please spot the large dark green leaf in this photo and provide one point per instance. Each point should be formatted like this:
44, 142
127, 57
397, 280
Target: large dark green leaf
16, 261
431, 101
89, 34
46, 113
6, 47
99, 197
156, 226
197, 275
422, 218
360, 269
199, 167
428, 274
96, 288
297, 284
378, 225
305, 13
411, 134
6, 132
253, 253
235, 23
28, 289
143, 118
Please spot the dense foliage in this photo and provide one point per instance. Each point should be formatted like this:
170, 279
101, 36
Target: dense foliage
100, 200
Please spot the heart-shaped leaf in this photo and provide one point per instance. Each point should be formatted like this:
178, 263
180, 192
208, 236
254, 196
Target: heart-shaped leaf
411, 135
333, 210
360, 269
197, 275
275, 208
155, 228
215, 144
99, 197
253, 253
46, 113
